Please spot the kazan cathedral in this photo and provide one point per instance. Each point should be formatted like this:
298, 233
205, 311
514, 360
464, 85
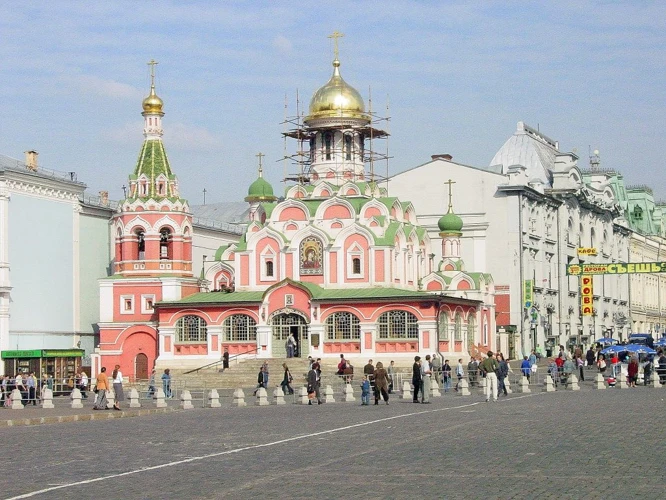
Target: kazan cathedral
337, 262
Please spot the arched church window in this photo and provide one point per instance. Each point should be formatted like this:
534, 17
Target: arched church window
191, 330
141, 243
343, 326
165, 243
356, 265
239, 328
443, 326
471, 330
400, 325
269, 268
328, 139
458, 327
348, 147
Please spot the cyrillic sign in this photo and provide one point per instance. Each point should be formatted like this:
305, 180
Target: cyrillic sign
587, 251
586, 295
616, 268
528, 287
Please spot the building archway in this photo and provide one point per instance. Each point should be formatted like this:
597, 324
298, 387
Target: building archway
282, 325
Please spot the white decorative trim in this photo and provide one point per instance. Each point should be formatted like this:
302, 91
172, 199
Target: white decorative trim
147, 304
124, 303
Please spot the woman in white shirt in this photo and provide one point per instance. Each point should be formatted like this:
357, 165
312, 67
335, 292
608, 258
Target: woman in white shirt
118, 387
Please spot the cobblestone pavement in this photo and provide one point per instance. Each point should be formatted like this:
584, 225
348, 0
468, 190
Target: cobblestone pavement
585, 444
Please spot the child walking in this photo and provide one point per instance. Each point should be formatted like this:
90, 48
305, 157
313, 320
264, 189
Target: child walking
365, 391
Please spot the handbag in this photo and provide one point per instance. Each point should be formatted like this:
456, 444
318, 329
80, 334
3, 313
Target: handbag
95, 390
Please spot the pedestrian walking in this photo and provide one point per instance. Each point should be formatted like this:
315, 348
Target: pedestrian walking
31, 384
446, 375
314, 381
151, 384
381, 383
117, 377
489, 368
426, 373
526, 368
416, 377
460, 373
391, 373
436, 367
101, 386
262, 378
291, 345
166, 383
225, 359
502, 374
287, 380
84, 385
365, 391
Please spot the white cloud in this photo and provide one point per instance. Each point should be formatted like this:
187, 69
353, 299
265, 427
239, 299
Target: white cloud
178, 136
282, 44
104, 88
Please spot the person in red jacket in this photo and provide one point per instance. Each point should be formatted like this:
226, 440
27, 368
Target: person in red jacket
632, 372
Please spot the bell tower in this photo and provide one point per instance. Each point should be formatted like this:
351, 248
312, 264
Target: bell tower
153, 226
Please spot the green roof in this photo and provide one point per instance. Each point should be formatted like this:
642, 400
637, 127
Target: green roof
317, 292
152, 163
260, 190
450, 223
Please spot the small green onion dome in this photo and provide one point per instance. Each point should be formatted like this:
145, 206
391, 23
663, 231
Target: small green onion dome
260, 190
450, 223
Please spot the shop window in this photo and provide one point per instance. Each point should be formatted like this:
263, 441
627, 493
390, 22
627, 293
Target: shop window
191, 330
239, 328
343, 326
398, 325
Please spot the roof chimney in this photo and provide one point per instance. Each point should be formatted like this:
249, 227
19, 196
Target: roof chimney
446, 157
31, 160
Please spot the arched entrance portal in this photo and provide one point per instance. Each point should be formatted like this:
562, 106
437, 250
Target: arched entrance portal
141, 366
283, 325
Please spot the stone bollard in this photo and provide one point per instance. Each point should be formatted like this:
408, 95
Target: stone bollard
622, 381
186, 400
303, 396
599, 381
239, 398
507, 384
463, 388
482, 384
133, 398
110, 399
75, 396
160, 398
328, 394
434, 389
17, 400
47, 398
573, 383
524, 385
213, 399
406, 390
348, 393
278, 395
262, 397
548, 384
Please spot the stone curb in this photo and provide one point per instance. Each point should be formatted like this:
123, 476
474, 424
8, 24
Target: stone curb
82, 417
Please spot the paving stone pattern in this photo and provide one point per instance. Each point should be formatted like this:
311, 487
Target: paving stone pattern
584, 444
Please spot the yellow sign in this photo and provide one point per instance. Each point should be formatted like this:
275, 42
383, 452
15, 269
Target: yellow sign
587, 251
586, 295
616, 268
528, 286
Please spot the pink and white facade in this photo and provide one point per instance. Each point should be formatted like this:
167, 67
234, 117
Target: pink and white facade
338, 263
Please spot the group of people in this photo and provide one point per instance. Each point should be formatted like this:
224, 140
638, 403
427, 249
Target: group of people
31, 388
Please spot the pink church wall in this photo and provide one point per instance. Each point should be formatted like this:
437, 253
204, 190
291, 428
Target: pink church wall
131, 289
434, 285
337, 212
261, 246
244, 270
379, 266
293, 213
342, 347
425, 340
397, 347
359, 240
289, 266
464, 285
333, 267
276, 299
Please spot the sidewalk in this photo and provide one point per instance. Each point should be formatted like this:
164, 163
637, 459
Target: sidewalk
63, 412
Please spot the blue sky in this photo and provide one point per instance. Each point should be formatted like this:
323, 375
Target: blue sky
457, 75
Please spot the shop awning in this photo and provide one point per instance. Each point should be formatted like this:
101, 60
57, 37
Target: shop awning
43, 353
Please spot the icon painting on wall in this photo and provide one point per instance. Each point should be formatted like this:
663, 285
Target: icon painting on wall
311, 257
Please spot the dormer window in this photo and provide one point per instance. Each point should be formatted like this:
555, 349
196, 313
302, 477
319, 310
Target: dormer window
638, 213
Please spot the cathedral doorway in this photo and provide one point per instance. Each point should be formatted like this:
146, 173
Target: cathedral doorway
283, 325
141, 366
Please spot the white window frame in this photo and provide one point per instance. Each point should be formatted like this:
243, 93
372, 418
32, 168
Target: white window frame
123, 300
267, 255
144, 304
355, 252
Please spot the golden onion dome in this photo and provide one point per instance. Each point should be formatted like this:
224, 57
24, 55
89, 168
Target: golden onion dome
336, 99
152, 103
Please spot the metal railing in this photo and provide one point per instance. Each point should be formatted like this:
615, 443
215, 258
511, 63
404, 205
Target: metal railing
220, 361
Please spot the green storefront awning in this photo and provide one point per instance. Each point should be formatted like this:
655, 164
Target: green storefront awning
43, 353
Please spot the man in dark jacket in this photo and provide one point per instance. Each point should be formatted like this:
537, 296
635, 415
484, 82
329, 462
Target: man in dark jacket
502, 374
416, 377
314, 382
